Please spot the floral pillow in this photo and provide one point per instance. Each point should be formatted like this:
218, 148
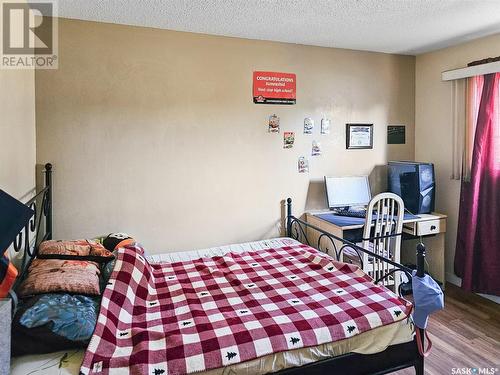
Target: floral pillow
66, 266
57, 275
74, 250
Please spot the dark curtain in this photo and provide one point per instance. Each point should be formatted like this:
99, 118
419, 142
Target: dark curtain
477, 256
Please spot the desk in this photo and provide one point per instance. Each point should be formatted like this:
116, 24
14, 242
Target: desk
430, 228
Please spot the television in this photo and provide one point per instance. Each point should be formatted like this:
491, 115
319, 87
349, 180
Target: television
414, 182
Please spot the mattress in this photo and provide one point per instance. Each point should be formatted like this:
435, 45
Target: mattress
69, 362
369, 342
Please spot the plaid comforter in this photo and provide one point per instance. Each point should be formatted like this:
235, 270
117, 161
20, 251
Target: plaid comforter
184, 317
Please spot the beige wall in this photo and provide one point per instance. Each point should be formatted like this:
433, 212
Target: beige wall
433, 118
17, 131
17, 134
155, 133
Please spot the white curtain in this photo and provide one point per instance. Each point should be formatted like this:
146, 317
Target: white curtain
465, 107
458, 105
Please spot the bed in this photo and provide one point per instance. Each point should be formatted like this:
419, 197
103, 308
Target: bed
382, 344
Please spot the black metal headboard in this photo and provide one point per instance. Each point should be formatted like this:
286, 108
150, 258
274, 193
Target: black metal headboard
37, 229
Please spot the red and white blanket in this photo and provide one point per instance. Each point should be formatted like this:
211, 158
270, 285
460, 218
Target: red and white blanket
184, 317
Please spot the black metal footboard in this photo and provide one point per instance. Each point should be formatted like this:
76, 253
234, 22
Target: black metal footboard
395, 357
297, 229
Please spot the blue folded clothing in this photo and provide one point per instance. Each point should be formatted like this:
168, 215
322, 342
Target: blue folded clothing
71, 316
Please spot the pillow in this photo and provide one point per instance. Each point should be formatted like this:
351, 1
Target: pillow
56, 275
52, 322
74, 250
77, 247
66, 266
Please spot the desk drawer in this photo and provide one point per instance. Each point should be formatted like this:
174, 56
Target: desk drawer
425, 228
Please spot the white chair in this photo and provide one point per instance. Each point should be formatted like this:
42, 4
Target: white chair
382, 236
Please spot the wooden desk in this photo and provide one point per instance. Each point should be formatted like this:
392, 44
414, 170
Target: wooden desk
428, 228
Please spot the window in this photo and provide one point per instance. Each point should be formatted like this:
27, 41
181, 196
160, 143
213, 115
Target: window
473, 100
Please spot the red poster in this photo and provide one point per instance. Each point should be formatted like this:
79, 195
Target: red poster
274, 88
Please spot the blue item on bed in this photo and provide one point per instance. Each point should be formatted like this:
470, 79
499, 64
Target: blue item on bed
71, 316
344, 221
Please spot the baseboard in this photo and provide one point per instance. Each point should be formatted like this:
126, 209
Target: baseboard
455, 280
495, 299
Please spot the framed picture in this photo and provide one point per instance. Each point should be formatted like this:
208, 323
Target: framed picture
359, 136
396, 134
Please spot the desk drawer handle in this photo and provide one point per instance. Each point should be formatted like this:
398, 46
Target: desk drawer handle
433, 227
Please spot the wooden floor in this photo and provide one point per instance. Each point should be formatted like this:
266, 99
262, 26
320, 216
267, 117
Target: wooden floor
466, 334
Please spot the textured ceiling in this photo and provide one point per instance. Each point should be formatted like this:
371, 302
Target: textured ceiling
393, 26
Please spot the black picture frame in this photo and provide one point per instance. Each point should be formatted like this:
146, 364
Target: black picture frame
396, 134
358, 127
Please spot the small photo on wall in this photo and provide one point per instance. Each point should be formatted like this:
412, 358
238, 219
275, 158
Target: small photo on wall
308, 125
274, 124
325, 126
303, 165
288, 139
316, 148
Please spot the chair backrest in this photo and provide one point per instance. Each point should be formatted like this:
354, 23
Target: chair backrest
384, 219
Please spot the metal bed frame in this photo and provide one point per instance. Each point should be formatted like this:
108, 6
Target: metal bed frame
395, 357
30, 237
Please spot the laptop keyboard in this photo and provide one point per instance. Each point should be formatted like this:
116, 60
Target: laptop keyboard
360, 214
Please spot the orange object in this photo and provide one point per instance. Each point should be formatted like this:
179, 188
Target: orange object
8, 281
125, 242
